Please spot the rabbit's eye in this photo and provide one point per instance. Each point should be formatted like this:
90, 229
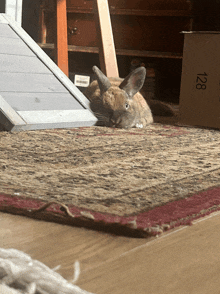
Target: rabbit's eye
126, 105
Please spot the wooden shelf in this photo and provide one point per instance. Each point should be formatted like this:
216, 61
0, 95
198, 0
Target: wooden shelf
184, 13
141, 53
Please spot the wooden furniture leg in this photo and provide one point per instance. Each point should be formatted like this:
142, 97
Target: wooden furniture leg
107, 56
43, 29
62, 41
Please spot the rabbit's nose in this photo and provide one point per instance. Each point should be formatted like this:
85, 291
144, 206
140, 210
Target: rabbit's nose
115, 121
112, 120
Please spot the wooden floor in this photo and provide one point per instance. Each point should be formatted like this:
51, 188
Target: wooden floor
183, 261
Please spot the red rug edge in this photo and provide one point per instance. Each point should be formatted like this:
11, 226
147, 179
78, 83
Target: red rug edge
143, 224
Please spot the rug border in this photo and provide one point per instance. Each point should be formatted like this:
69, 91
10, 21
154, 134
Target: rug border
141, 225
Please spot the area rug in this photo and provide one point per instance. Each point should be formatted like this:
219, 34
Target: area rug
135, 182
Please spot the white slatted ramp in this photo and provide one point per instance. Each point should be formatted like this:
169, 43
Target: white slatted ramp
34, 92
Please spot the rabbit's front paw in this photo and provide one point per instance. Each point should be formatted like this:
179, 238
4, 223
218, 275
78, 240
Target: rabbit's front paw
140, 126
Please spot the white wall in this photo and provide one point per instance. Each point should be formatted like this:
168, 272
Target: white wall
14, 9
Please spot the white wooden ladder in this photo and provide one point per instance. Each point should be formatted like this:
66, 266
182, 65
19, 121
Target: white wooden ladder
14, 9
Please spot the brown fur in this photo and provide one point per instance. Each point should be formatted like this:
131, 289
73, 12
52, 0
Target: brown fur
110, 106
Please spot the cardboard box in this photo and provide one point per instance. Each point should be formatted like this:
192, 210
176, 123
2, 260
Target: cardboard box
200, 83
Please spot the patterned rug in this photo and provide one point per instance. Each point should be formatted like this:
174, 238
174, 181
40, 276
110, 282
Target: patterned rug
135, 182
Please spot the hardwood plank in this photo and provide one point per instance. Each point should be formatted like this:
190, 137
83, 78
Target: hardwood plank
30, 83
14, 47
6, 31
22, 64
56, 244
41, 101
186, 261
183, 261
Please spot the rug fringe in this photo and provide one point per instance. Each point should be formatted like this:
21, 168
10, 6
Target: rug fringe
21, 274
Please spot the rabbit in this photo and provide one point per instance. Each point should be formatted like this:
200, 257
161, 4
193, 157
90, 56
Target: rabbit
117, 102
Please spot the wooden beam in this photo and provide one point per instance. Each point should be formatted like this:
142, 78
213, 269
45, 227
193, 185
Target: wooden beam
127, 52
62, 41
107, 55
124, 11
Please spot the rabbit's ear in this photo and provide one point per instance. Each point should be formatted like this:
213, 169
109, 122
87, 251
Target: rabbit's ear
103, 81
134, 81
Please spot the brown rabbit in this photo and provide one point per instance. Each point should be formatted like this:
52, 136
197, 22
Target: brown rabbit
117, 102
